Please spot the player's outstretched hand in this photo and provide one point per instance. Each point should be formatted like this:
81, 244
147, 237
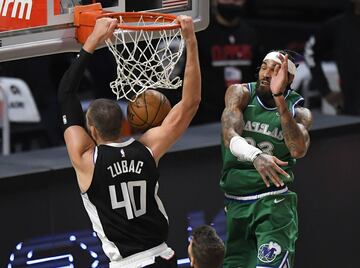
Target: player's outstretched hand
103, 30
268, 168
187, 27
280, 78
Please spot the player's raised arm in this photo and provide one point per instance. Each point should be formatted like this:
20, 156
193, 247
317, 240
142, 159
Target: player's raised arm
295, 130
78, 142
159, 139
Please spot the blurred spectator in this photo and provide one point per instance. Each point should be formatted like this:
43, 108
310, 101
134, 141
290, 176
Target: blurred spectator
338, 40
228, 52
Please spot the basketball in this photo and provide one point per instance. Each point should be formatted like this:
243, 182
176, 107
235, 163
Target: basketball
148, 110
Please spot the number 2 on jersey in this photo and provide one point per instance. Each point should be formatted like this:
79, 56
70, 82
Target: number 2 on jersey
265, 146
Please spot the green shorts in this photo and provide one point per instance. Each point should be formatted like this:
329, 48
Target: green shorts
261, 233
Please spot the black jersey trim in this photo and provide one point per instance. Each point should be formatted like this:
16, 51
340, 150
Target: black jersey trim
109, 247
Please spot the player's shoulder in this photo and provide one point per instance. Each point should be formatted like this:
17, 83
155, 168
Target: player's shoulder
145, 140
303, 116
294, 93
239, 90
238, 95
244, 87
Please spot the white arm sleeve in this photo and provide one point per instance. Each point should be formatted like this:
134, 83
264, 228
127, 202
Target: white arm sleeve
242, 150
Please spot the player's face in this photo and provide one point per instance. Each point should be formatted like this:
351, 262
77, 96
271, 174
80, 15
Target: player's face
265, 74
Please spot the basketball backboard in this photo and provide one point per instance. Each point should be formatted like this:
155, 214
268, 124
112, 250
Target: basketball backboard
31, 28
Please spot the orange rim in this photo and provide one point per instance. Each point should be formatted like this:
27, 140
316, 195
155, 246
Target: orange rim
130, 17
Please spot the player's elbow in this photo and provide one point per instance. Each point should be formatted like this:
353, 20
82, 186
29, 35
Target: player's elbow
299, 149
196, 102
195, 105
298, 152
192, 105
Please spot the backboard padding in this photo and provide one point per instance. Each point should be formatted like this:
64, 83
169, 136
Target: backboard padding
57, 33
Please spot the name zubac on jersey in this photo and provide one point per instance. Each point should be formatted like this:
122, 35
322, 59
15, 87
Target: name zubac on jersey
125, 166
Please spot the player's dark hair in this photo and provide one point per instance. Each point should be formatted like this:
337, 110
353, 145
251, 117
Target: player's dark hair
292, 55
289, 52
208, 249
106, 116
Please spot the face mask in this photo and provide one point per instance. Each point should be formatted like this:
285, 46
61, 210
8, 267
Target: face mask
231, 11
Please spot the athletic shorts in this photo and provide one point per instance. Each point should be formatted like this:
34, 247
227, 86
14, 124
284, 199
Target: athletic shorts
261, 233
163, 263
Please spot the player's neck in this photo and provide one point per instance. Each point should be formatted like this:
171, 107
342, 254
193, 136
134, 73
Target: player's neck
100, 141
269, 103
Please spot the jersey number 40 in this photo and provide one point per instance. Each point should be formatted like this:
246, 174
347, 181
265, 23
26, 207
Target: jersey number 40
128, 202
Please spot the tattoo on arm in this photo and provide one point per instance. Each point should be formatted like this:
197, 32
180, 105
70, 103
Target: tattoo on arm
232, 121
295, 130
232, 124
303, 116
291, 134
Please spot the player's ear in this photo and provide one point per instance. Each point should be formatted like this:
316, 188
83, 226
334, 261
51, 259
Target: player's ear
290, 78
191, 257
191, 262
94, 133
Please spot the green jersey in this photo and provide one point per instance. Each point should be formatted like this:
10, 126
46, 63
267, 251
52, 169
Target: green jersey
263, 130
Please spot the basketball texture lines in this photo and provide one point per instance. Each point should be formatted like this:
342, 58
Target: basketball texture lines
148, 110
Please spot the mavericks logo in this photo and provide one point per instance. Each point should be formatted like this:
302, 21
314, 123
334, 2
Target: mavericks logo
268, 252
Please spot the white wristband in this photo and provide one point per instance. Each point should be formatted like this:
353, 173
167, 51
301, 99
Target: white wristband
240, 148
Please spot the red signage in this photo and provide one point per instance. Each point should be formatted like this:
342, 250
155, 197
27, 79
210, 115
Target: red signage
22, 14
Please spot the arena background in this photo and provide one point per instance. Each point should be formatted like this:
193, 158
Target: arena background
42, 217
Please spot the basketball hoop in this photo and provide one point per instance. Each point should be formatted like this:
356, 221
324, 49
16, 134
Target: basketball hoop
146, 47
149, 58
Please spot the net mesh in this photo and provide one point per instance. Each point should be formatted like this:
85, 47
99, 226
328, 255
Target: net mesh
145, 59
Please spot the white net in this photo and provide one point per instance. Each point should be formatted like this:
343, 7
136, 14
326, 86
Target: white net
145, 59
